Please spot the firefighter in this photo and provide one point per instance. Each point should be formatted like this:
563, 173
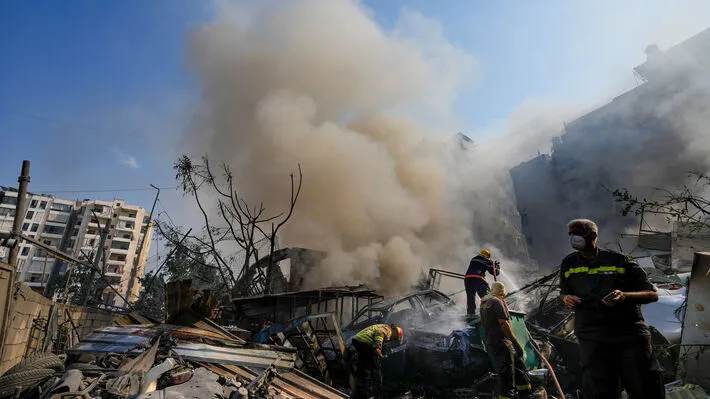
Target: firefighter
368, 346
511, 373
475, 279
606, 290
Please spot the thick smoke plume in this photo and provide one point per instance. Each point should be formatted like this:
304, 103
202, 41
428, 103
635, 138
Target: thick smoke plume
317, 82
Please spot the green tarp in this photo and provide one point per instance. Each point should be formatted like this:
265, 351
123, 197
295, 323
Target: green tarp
517, 320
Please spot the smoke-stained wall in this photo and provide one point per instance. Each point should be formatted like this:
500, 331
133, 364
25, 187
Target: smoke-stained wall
647, 138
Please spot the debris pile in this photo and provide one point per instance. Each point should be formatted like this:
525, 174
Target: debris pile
162, 361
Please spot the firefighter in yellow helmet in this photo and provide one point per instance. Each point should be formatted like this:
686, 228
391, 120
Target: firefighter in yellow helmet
368, 345
475, 279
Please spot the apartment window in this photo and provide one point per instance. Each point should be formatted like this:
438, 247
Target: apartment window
61, 207
7, 212
43, 205
33, 204
120, 245
47, 242
9, 200
54, 230
25, 251
92, 242
128, 236
30, 215
146, 219
25, 226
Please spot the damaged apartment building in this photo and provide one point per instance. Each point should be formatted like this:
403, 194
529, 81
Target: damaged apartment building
75, 228
645, 138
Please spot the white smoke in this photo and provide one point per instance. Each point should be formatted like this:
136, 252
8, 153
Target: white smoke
318, 83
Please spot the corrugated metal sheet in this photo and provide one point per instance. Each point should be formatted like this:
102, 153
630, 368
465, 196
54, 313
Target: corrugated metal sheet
236, 356
291, 385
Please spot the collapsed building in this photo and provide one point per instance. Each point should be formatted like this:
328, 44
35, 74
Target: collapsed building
648, 137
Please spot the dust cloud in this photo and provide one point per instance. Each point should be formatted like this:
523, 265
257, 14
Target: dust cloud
318, 83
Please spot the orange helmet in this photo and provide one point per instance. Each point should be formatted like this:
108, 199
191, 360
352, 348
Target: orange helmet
397, 332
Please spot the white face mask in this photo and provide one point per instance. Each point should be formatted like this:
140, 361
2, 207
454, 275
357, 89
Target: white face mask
577, 242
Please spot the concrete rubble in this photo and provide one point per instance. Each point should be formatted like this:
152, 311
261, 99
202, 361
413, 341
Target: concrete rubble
297, 345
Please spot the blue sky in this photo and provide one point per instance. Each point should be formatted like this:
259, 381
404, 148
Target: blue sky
96, 93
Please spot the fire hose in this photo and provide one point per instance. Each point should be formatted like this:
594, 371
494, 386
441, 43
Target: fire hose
547, 363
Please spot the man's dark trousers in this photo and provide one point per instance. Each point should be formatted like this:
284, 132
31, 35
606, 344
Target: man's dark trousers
512, 376
368, 373
631, 361
474, 286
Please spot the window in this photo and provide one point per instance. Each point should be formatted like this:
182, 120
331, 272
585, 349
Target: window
61, 207
33, 204
34, 228
25, 226
7, 212
128, 236
146, 219
43, 205
47, 242
9, 200
25, 251
54, 230
30, 215
120, 245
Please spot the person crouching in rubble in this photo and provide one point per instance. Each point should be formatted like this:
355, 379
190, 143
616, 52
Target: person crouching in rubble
606, 290
368, 346
475, 279
511, 373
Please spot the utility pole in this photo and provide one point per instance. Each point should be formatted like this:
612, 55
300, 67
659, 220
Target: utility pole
20, 209
97, 257
134, 269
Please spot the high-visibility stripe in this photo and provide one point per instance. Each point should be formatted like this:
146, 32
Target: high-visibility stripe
523, 387
474, 276
374, 335
595, 270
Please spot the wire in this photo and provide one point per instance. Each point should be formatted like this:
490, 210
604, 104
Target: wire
50, 191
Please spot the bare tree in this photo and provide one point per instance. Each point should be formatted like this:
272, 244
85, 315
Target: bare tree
247, 225
688, 204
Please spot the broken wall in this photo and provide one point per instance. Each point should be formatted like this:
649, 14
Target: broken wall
686, 241
27, 323
694, 356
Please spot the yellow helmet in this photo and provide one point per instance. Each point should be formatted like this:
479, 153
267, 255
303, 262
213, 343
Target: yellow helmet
485, 253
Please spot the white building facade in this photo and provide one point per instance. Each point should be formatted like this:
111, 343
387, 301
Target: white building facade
71, 226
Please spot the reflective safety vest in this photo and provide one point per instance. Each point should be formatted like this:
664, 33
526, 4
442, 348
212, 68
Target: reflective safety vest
375, 335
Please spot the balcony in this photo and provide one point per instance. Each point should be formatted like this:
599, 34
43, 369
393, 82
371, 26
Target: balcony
57, 217
121, 239
126, 218
121, 227
116, 262
118, 251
